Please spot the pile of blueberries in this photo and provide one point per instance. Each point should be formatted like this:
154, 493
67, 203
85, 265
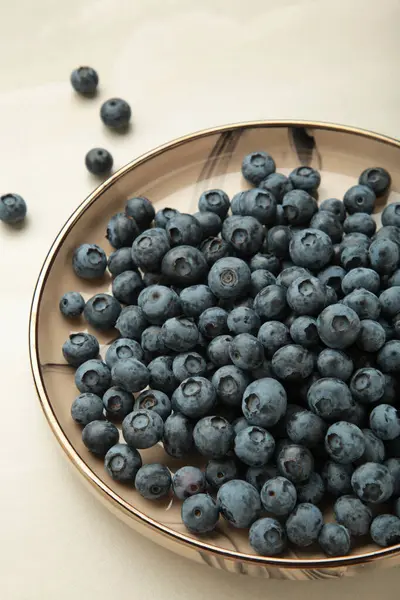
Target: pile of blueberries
262, 333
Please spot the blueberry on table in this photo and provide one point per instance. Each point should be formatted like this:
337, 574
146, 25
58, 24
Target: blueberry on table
188, 364
213, 436
89, 261
384, 256
267, 537
122, 463
388, 358
79, 348
278, 240
87, 407
334, 539
327, 222
142, 428
268, 261
85, 80
153, 481
194, 397
353, 514
256, 203
115, 113
72, 304
188, 481
359, 199
304, 332
361, 278
278, 496
239, 503
304, 524
372, 482
130, 374
12, 208
264, 402
99, 437
256, 166
215, 201
99, 161
93, 376
127, 286
219, 471
385, 530
117, 403
391, 215
376, 178
140, 209
102, 311
200, 513
178, 435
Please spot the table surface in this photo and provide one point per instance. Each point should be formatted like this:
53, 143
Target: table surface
183, 65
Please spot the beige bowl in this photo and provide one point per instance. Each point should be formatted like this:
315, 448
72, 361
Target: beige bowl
175, 175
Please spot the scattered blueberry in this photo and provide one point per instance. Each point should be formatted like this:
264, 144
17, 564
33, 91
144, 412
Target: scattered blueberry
99, 161
115, 113
84, 80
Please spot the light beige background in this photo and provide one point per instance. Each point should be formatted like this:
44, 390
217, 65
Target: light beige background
183, 65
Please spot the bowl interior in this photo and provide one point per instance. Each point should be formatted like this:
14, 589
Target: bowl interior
175, 176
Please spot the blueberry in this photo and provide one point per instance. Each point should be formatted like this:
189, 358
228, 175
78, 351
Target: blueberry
245, 234
184, 229
194, 397
184, 265
306, 295
304, 524
361, 278
257, 166
334, 539
229, 278
384, 256
122, 463
389, 329
159, 303
330, 399
258, 476
213, 322
306, 428
334, 363
338, 326
359, 199
278, 184
99, 161
311, 248
295, 462
334, 206
218, 350
270, 303
388, 232
393, 466
72, 304
93, 376
152, 343
243, 320
102, 311
264, 402
164, 215
333, 276
353, 514
273, 335
327, 222
267, 537
239, 503
188, 364
394, 279
153, 481
219, 471
312, 490
305, 178
121, 230
374, 448
246, 351
368, 385
304, 332
89, 261
391, 215
99, 437
344, 442
278, 496
389, 357
127, 286
154, 400
256, 203
121, 260
292, 363
179, 334
117, 403
354, 256
79, 348
372, 482
178, 435
86, 408
215, 201
337, 478
200, 513
196, 299
188, 481
149, 249
84, 80
214, 248
390, 301
299, 207
269, 262
278, 240
130, 374
141, 209
142, 428
213, 436
364, 303
385, 530
361, 223
376, 178
385, 422
161, 374
131, 322
115, 113
230, 384
210, 223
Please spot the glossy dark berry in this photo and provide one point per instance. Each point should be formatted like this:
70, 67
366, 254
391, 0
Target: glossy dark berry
359, 199
115, 113
84, 80
376, 178
99, 161
257, 166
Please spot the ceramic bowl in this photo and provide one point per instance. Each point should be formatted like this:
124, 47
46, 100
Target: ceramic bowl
175, 175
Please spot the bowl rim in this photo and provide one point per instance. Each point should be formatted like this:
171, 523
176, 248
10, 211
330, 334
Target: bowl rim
100, 486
